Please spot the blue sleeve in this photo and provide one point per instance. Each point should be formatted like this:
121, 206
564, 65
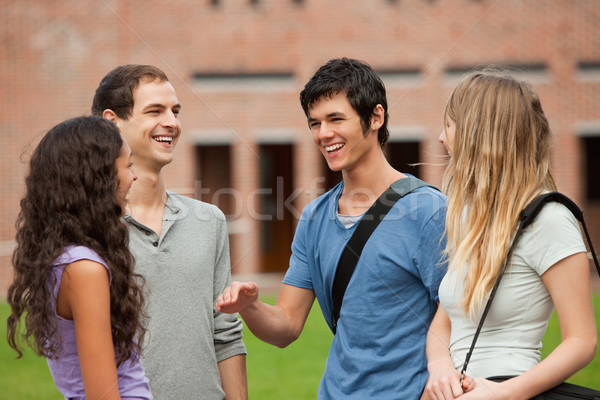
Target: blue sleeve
298, 274
429, 258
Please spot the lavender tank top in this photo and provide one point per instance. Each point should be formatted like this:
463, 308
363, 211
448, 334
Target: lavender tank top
66, 370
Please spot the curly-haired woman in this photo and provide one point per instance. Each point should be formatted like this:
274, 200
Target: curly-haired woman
74, 283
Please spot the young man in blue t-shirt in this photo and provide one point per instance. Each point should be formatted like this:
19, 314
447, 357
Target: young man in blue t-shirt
378, 350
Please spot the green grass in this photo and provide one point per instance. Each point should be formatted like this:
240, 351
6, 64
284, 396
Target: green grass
27, 378
293, 372
273, 373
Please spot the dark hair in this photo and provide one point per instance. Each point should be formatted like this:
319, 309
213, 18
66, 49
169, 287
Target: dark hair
357, 80
115, 91
70, 199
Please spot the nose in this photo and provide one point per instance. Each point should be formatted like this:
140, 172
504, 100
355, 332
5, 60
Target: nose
170, 120
442, 137
325, 131
133, 173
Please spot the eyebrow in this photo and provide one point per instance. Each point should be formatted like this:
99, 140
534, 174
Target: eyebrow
159, 105
330, 115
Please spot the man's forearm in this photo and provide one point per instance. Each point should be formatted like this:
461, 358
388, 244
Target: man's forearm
270, 324
233, 377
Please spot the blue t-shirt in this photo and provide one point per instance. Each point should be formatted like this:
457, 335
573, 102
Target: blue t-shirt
378, 350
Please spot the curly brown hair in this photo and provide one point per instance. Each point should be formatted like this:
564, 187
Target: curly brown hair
70, 199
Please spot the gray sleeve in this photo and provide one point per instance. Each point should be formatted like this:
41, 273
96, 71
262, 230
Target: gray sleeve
228, 327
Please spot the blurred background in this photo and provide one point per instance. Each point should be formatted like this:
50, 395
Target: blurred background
239, 65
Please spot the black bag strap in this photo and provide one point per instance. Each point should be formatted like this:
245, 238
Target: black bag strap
525, 219
365, 228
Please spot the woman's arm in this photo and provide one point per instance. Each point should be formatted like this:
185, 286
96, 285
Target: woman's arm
444, 379
84, 297
568, 282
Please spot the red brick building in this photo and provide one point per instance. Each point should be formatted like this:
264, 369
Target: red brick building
239, 65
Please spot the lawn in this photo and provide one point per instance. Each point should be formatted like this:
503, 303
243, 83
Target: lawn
273, 373
27, 378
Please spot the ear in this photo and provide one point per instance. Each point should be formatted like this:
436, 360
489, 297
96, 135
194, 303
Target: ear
378, 117
110, 115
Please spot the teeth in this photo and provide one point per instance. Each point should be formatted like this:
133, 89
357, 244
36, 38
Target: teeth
163, 139
334, 147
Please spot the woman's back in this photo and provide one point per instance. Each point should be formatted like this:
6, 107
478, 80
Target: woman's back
89, 323
65, 369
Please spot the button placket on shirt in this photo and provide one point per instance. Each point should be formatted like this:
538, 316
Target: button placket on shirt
149, 234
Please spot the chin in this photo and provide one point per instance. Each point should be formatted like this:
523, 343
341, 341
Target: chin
166, 160
333, 165
334, 168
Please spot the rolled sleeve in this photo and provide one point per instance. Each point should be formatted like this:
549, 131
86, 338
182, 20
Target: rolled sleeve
228, 327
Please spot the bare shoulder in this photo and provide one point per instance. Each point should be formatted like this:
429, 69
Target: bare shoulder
84, 283
85, 269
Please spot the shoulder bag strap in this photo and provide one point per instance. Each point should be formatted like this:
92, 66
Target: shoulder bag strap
527, 216
365, 228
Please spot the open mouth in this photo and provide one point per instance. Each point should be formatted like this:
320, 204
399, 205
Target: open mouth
334, 147
163, 139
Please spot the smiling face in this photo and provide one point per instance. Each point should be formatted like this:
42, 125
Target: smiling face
337, 131
125, 175
153, 128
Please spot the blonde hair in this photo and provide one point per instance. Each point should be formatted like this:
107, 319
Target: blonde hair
500, 161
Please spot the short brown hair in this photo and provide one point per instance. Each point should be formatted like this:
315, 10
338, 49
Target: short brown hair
115, 91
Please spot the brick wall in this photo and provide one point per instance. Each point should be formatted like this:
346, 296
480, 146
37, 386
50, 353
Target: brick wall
54, 53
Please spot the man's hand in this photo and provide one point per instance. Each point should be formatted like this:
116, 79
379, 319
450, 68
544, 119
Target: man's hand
237, 297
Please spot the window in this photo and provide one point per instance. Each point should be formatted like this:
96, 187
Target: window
402, 156
588, 71
591, 149
244, 81
532, 72
276, 219
213, 178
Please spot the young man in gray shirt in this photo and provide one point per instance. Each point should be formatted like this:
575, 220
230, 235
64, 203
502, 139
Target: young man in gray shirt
180, 245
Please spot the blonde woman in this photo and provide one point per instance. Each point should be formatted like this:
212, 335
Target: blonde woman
498, 139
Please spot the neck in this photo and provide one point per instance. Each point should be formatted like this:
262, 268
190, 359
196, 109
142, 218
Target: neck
364, 184
373, 177
148, 191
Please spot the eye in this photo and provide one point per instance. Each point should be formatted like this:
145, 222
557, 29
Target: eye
176, 111
314, 125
